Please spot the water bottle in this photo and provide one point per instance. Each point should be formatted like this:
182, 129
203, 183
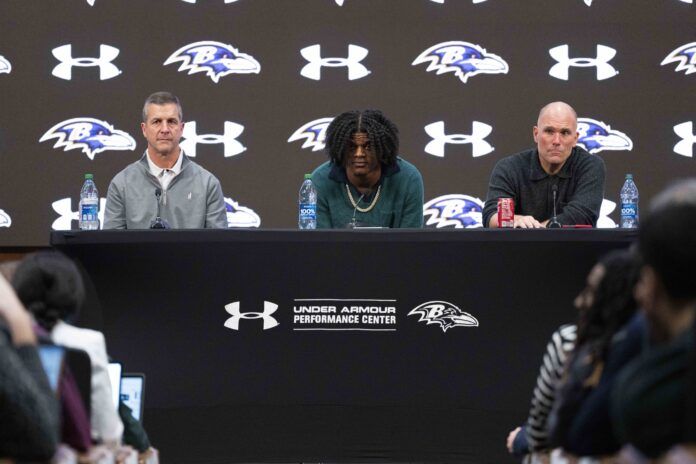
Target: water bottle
629, 204
308, 204
89, 205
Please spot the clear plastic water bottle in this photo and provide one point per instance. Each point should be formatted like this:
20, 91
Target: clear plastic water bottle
629, 204
308, 204
89, 205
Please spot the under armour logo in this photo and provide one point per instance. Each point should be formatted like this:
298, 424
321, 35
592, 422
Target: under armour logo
604, 221
107, 69
67, 215
194, 1
356, 70
268, 321
479, 146
564, 63
91, 2
228, 139
685, 131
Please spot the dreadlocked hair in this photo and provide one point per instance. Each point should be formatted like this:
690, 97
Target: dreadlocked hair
383, 135
613, 303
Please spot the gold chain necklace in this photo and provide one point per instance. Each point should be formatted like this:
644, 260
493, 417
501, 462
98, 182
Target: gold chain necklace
355, 205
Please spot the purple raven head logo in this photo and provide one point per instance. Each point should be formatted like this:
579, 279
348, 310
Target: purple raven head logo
240, 216
454, 210
5, 65
464, 59
5, 219
443, 313
684, 56
313, 133
91, 135
595, 136
215, 59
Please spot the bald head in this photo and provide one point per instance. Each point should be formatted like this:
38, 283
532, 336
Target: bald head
558, 109
555, 134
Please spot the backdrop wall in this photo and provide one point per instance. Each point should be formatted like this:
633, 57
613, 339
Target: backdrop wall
463, 80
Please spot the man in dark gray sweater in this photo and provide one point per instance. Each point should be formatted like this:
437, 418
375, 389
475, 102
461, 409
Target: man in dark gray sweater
530, 177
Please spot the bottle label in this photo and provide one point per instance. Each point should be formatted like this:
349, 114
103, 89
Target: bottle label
629, 209
308, 211
89, 212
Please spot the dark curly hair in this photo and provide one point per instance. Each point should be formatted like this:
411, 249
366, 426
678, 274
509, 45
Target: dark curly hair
383, 135
50, 287
613, 303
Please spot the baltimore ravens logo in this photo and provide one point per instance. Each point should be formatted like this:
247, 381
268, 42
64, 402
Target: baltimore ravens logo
5, 66
464, 59
443, 313
314, 133
215, 59
91, 135
240, 216
595, 136
684, 56
454, 210
5, 219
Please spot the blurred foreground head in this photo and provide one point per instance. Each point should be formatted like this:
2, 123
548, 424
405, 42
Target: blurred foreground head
50, 287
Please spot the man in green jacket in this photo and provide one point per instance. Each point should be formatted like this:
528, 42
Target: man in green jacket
365, 183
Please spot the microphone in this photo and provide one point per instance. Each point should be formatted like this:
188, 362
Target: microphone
353, 224
158, 222
553, 223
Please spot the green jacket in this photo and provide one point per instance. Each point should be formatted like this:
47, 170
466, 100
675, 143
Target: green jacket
400, 203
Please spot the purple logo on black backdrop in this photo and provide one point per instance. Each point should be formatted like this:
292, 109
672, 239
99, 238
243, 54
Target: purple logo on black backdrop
5, 66
464, 59
454, 210
92, 135
240, 216
595, 136
5, 219
215, 59
443, 313
313, 133
684, 56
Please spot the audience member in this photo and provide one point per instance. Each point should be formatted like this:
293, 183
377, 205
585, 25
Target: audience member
654, 399
610, 334
604, 305
51, 288
29, 411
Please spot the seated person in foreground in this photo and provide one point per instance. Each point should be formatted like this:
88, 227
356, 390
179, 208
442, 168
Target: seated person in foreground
531, 176
365, 183
654, 399
51, 288
29, 410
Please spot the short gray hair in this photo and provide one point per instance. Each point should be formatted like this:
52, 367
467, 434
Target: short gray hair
162, 98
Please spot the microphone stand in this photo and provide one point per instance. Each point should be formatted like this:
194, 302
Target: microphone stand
158, 222
553, 223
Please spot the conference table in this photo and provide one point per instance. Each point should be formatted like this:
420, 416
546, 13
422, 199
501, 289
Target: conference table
333, 346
